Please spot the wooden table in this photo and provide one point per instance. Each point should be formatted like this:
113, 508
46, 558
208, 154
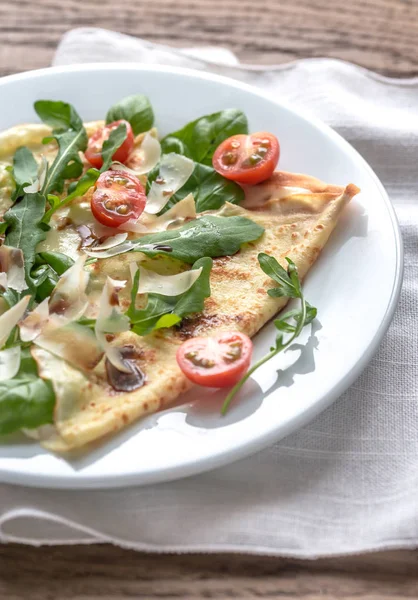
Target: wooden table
378, 34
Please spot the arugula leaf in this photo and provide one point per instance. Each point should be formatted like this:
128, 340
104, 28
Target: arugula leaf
206, 236
210, 190
192, 301
145, 320
61, 116
79, 189
49, 266
25, 170
69, 132
58, 261
26, 400
273, 269
136, 110
67, 163
166, 311
25, 229
292, 322
110, 146
44, 279
199, 139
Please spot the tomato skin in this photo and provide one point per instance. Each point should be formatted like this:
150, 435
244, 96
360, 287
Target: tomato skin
248, 159
118, 197
95, 144
217, 361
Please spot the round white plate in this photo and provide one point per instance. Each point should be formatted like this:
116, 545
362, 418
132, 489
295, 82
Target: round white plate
355, 285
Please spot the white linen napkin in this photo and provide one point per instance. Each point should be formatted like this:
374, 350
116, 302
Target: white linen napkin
346, 483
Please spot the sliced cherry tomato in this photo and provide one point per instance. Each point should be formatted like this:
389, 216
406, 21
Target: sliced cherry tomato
118, 197
95, 144
217, 361
247, 159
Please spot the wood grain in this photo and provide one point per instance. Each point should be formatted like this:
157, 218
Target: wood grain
379, 34
104, 572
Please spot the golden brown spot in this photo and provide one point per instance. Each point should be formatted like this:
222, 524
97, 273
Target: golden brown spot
110, 337
293, 225
295, 235
145, 405
125, 418
319, 227
113, 298
261, 291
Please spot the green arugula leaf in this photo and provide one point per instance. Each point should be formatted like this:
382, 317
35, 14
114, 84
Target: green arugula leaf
26, 400
69, 132
25, 170
136, 110
44, 280
166, 311
25, 228
146, 319
273, 269
11, 296
61, 116
199, 139
112, 144
210, 190
192, 301
79, 189
67, 164
49, 266
58, 261
206, 236
291, 322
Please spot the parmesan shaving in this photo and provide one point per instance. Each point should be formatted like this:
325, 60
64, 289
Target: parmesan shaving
147, 156
12, 263
111, 242
111, 320
10, 318
9, 362
177, 215
175, 170
32, 326
151, 282
72, 342
107, 253
69, 298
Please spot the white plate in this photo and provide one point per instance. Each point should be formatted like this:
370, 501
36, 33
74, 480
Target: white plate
355, 286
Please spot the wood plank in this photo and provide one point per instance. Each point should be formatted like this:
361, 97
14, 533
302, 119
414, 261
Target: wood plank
105, 572
379, 34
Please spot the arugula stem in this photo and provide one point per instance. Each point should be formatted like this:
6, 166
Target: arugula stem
262, 361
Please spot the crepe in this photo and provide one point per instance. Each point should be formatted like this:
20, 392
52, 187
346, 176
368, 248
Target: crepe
298, 214
296, 225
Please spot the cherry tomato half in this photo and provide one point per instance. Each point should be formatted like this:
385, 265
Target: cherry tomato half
217, 361
118, 197
95, 144
247, 159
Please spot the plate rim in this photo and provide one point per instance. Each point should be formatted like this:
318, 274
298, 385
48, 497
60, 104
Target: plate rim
75, 481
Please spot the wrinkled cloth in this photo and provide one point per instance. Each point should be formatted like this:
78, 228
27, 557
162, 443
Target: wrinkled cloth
346, 483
